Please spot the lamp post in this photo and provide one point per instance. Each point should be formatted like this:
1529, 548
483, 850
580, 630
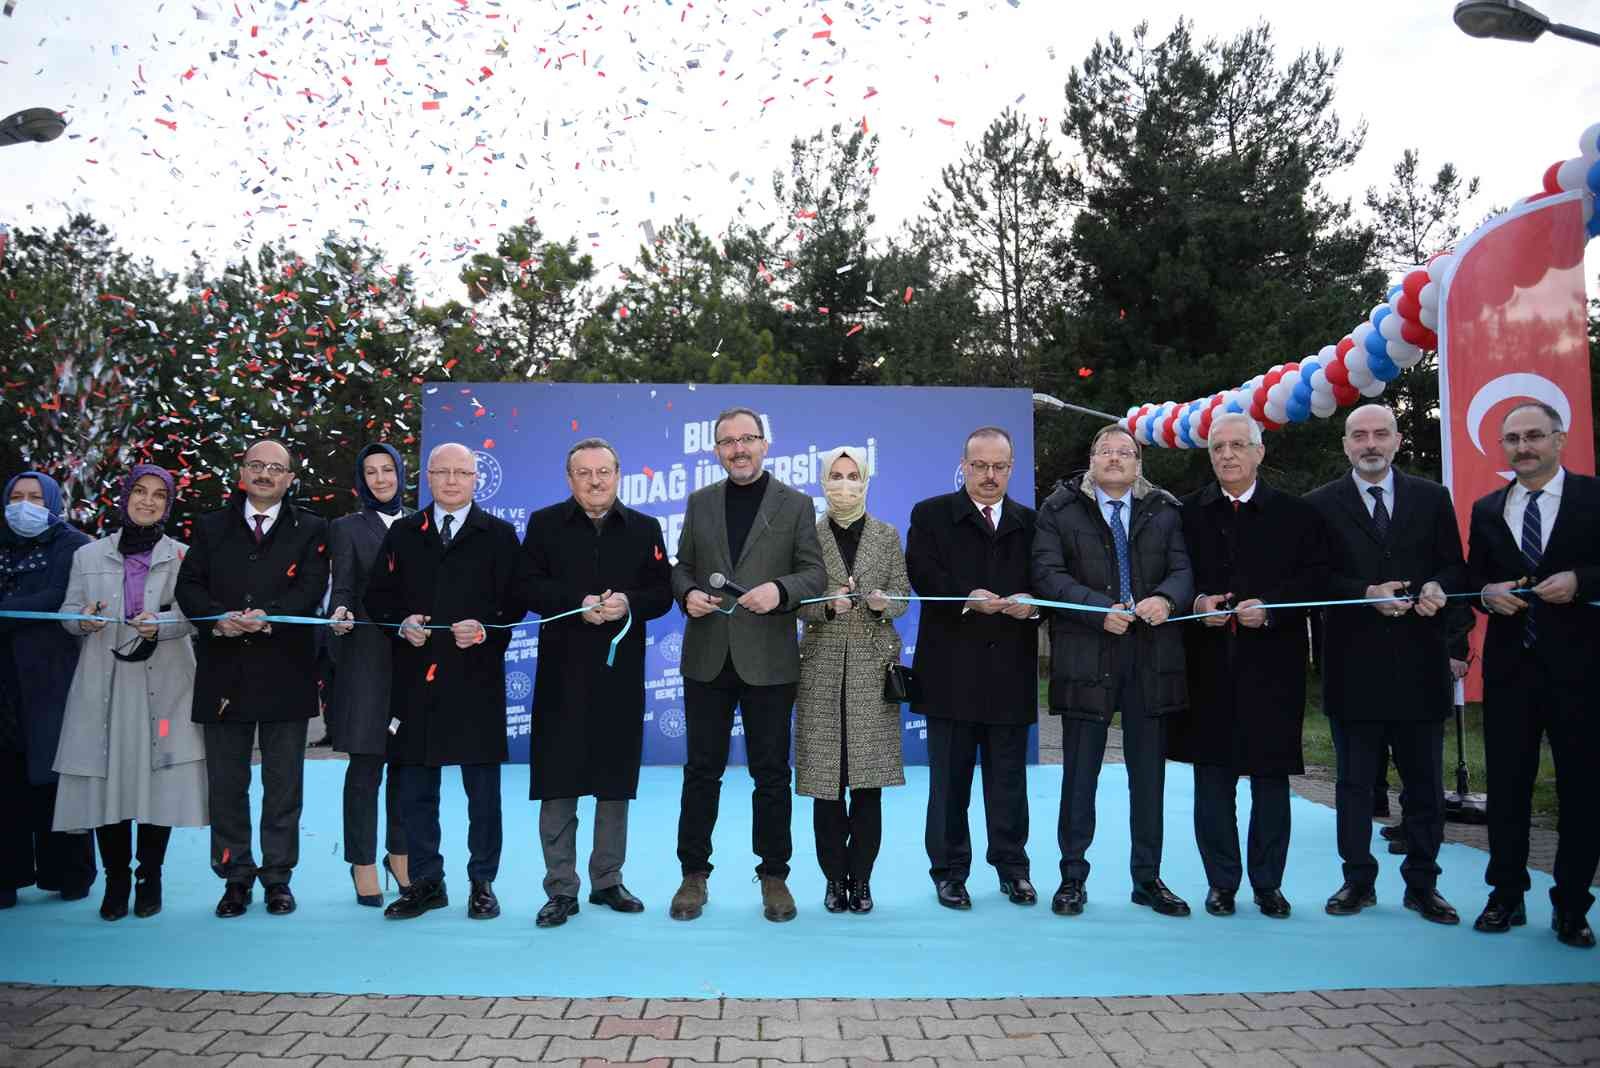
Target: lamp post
31, 124
1044, 402
1512, 20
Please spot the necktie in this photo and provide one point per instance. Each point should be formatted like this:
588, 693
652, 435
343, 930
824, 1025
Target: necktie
444, 531
988, 515
1532, 553
259, 532
1380, 513
1119, 538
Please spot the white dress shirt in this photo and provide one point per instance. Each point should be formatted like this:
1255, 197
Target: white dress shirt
1549, 507
1121, 513
1243, 497
1362, 485
250, 512
993, 508
440, 511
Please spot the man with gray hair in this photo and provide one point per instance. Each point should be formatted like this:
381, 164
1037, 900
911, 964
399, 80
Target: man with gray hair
590, 550
1250, 545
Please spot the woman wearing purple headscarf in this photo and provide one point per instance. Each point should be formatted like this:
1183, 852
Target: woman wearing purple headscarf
36, 665
129, 749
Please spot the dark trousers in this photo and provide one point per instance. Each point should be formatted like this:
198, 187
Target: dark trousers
1144, 748
558, 836
361, 781
30, 852
419, 808
1216, 827
1418, 749
848, 835
283, 758
955, 749
1517, 711
766, 712
117, 849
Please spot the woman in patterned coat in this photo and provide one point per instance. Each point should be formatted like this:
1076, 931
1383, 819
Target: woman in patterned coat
847, 738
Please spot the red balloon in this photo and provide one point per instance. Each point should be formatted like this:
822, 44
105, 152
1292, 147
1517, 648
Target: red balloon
1346, 395
1413, 283
1215, 401
1430, 341
1271, 378
1268, 424
1550, 183
1133, 423
1345, 345
1203, 425
1337, 373
1414, 332
1408, 307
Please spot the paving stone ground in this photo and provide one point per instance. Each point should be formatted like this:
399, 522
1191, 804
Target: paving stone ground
1477, 1027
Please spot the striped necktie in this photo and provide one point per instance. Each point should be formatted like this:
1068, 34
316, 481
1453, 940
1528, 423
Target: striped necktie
1532, 553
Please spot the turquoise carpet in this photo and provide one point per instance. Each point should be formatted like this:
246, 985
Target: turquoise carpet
909, 947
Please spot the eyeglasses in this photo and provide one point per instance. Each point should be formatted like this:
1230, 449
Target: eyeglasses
1121, 454
981, 468
255, 467
746, 440
1232, 446
451, 472
601, 474
1534, 438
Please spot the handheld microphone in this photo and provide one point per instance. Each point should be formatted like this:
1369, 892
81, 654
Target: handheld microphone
719, 581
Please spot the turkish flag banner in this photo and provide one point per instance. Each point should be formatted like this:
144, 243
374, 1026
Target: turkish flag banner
1513, 328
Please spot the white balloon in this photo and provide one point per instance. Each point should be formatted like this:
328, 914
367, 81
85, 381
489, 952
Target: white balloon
1279, 395
1327, 353
1373, 388
1323, 405
1290, 379
1275, 412
1404, 354
1438, 268
1429, 317
1390, 327
1355, 361
1372, 316
1319, 382
1589, 143
1133, 411
1428, 295
1572, 174
1360, 334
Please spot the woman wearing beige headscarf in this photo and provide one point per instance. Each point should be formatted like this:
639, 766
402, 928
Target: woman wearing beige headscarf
847, 738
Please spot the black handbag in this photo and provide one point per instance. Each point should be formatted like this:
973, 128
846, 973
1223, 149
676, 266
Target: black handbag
900, 684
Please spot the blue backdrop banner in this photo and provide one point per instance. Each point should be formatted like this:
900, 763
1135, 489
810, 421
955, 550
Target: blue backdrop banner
520, 434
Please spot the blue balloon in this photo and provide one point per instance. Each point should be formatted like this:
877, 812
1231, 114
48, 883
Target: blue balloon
1307, 365
1593, 229
1594, 177
1297, 410
1301, 392
1380, 315
1182, 427
1233, 406
1383, 368
1393, 290
1376, 345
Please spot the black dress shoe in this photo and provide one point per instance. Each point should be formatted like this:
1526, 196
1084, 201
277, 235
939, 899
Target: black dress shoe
861, 896
1219, 902
236, 898
616, 898
1500, 915
1019, 891
483, 905
1155, 895
1397, 846
114, 906
1069, 898
147, 895
556, 911
952, 894
1272, 904
836, 895
1390, 833
1431, 906
1350, 899
1572, 929
423, 895
280, 900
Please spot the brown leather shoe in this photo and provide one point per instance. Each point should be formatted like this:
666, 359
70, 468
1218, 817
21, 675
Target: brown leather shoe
777, 904
690, 899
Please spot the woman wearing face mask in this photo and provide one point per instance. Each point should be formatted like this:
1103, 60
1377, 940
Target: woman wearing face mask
847, 738
360, 724
36, 665
129, 747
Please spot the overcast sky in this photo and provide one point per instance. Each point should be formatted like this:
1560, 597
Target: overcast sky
205, 127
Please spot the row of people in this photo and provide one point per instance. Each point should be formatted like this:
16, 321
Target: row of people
1224, 694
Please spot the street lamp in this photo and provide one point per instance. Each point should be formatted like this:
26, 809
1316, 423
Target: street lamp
1044, 402
31, 124
1512, 20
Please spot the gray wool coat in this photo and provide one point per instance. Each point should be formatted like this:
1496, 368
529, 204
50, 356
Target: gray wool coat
845, 658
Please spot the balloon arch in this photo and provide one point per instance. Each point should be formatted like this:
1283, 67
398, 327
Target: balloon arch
1394, 337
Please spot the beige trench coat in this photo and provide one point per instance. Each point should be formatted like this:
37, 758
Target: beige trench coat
847, 655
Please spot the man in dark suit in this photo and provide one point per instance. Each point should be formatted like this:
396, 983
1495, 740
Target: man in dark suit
1250, 545
1386, 679
743, 654
978, 662
1541, 666
1109, 539
259, 555
450, 576
588, 714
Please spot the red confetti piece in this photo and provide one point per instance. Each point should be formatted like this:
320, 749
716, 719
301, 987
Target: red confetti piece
163, 728
431, 669
424, 522
649, 472
488, 443
822, 35
380, 63
226, 853
656, 549
854, 330
291, 569
909, 292
430, 105
574, 424
947, 122
391, 563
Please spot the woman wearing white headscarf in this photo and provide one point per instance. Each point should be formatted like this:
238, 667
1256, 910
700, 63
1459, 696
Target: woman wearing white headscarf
847, 738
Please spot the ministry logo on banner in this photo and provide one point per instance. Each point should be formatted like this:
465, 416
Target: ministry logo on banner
518, 686
490, 476
671, 646
672, 722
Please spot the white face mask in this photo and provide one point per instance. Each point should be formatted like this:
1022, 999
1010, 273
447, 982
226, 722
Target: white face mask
27, 519
846, 499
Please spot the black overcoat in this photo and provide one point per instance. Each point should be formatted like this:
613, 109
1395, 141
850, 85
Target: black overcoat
255, 677
1075, 561
450, 702
973, 667
588, 719
1247, 686
358, 718
1378, 668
